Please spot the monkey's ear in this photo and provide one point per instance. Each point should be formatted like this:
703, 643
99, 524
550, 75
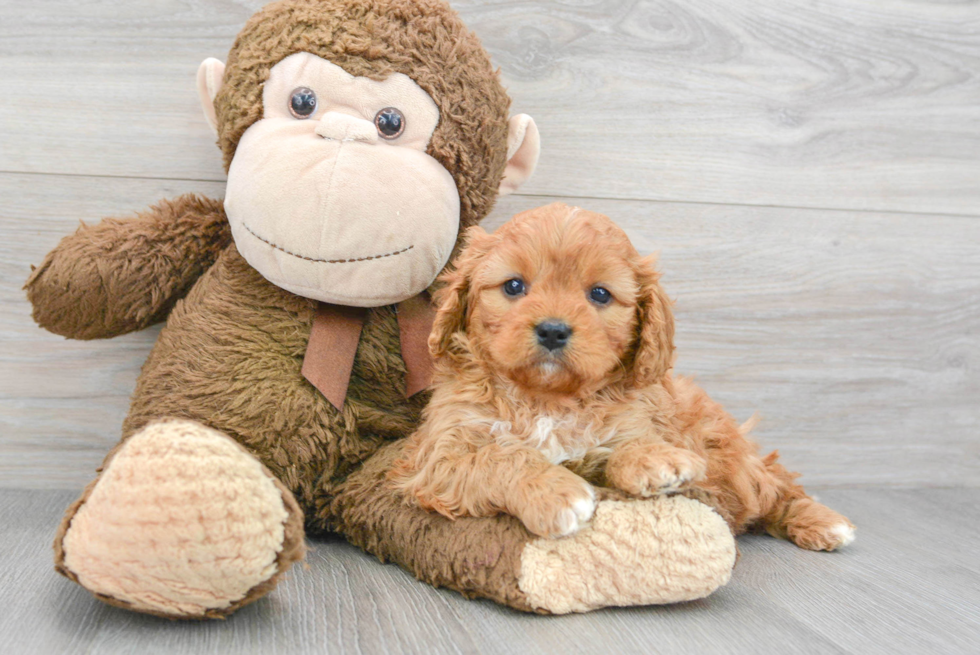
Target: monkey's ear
523, 148
209, 77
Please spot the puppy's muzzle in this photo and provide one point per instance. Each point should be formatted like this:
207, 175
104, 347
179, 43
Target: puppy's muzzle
553, 334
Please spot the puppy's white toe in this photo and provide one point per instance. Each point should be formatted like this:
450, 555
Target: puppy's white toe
844, 533
568, 523
572, 518
584, 508
670, 481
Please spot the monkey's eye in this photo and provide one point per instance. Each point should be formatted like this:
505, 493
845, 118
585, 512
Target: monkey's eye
514, 287
600, 295
390, 123
302, 103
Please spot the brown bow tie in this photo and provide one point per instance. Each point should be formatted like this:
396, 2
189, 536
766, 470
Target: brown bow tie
333, 343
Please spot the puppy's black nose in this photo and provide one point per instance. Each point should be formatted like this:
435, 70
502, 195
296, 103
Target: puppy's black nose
553, 335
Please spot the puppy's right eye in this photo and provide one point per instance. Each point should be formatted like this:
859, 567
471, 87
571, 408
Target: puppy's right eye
514, 287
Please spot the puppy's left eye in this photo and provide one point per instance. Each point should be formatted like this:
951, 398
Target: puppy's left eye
514, 287
600, 295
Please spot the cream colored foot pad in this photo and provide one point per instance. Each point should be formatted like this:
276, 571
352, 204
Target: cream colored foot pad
183, 520
648, 552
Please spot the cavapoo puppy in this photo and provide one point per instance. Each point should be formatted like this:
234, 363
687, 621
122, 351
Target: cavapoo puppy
553, 348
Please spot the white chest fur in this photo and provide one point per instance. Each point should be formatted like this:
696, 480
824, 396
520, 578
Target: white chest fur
560, 438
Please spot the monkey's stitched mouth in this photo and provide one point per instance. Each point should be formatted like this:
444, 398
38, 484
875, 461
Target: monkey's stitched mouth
326, 261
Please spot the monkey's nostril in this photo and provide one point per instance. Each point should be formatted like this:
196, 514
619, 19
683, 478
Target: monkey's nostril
553, 334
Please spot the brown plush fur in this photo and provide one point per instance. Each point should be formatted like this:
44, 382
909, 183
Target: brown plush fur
231, 352
123, 275
477, 557
506, 411
230, 357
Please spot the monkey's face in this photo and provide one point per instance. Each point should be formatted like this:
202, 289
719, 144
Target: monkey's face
331, 195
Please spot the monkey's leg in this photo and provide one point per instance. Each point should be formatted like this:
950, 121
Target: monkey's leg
182, 522
634, 552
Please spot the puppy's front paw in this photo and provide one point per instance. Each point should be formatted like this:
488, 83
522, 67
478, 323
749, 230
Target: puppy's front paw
555, 503
656, 471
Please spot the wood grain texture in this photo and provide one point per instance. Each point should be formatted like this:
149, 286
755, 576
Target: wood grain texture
776, 102
897, 589
856, 336
855, 333
62, 402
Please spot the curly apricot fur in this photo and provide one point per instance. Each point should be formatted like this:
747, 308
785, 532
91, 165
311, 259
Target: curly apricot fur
511, 423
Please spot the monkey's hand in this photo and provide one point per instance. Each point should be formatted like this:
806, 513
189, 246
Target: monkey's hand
123, 275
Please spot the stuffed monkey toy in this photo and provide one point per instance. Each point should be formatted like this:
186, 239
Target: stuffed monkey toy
359, 137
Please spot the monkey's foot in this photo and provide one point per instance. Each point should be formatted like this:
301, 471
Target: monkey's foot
648, 552
182, 522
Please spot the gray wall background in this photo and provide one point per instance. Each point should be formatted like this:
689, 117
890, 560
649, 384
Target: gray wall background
810, 172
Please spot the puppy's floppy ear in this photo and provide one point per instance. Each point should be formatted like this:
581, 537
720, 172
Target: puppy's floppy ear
452, 299
654, 354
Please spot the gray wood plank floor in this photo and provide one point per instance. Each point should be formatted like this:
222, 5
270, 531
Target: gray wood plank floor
909, 584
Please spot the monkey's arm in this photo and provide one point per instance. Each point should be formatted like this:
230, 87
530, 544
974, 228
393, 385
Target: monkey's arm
122, 275
619, 560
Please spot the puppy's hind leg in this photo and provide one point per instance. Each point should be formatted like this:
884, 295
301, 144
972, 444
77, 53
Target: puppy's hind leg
799, 518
